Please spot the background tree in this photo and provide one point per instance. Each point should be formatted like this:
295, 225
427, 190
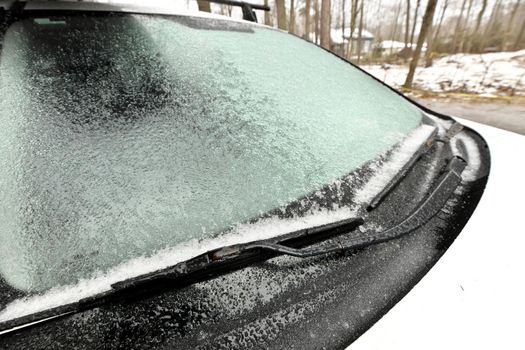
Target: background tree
418, 3
360, 32
307, 8
425, 26
464, 29
325, 23
508, 32
291, 22
434, 32
476, 33
458, 27
407, 24
316, 19
267, 15
282, 23
353, 23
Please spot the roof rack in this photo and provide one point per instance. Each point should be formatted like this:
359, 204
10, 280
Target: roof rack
248, 12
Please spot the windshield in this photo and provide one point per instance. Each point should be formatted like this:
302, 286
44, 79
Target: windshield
124, 134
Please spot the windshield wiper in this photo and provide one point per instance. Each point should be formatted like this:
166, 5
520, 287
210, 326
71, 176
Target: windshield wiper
227, 259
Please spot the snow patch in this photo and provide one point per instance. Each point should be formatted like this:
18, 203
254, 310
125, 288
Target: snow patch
474, 157
391, 167
491, 74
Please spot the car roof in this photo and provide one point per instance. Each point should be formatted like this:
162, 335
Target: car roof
126, 7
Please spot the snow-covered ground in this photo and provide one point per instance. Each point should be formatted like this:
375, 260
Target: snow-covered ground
491, 74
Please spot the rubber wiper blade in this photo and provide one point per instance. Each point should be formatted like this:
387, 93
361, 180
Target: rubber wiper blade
197, 269
425, 210
227, 259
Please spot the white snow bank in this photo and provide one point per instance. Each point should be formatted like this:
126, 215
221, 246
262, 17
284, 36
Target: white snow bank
491, 74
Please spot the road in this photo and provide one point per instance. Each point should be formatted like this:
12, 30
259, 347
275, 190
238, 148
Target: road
501, 114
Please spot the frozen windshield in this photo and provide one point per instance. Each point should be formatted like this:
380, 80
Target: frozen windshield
123, 135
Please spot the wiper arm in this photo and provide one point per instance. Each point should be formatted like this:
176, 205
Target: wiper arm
197, 269
429, 207
228, 259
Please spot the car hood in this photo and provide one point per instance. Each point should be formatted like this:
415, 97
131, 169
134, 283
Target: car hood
473, 297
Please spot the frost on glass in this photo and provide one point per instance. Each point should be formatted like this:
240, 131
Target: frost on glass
120, 136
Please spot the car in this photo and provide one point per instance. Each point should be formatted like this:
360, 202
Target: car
174, 180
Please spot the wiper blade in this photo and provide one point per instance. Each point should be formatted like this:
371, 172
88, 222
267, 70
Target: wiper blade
227, 259
197, 269
429, 207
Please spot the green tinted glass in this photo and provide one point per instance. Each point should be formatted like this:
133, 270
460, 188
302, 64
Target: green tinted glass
123, 135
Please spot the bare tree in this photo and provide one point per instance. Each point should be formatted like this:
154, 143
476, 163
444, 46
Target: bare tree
418, 3
440, 23
490, 28
353, 23
478, 25
513, 15
316, 19
434, 32
511, 24
291, 22
430, 45
281, 15
267, 17
360, 33
458, 27
407, 24
520, 35
480, 15
425, 26
394, 32
204, 6
307, 6
325, 23
464, 30
343, 23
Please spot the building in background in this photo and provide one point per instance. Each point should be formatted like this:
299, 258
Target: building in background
340, 40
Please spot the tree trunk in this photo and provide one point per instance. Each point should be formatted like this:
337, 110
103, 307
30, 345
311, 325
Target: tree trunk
478, 24
343, 24
353, 24
407, 24
291, 22
281, 15
425, 26
464, 30
418, 3
267, 20
480, 15
510, 26
325, 24
360, 33
520, 35
458, 27
440, 23
491, 25
394, 32
204, 6
430, 47
316, 19
308, 6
